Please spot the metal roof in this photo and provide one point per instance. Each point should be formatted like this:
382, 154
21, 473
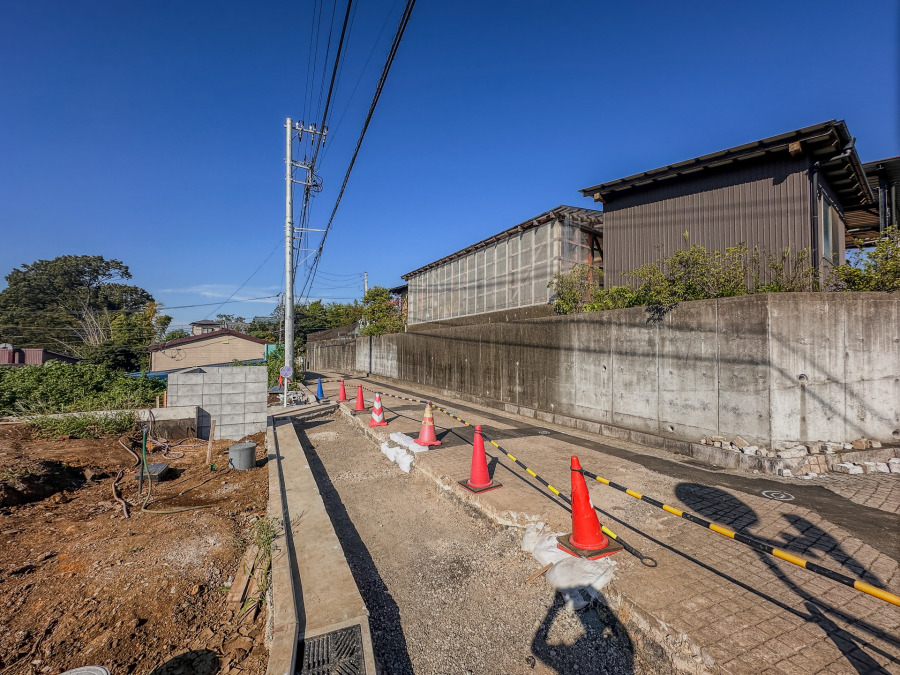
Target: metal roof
828, 143
863, 223
590, 220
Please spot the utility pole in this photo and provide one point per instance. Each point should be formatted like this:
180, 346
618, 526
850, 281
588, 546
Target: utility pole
365, 283
288, 249
312, 184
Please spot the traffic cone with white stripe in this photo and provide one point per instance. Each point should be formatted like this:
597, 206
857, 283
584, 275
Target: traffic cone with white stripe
426, 435
587, 539
479, 478
342, 394
377, 413
360, 401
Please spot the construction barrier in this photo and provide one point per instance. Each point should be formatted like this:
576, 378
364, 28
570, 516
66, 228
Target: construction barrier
741, 537
753, 542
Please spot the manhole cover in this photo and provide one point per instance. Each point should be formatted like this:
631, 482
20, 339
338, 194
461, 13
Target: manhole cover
544, 433
337, 653
779, 495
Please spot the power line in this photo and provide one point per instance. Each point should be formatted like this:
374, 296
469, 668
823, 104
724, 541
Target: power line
248, 279
404, 21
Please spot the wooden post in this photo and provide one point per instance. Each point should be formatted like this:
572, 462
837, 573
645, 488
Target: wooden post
157, 401
164, 399
212, 434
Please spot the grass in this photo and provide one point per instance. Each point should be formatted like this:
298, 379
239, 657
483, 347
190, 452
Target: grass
88, 425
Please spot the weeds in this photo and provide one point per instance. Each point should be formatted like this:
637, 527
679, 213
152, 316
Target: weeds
87, 425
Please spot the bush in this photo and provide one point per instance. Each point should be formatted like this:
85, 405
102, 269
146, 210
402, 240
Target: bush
878, 268
90, 425
65, 387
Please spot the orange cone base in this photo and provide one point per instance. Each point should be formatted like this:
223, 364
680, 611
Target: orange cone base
493, 486
565, 545
427, 443
373, 423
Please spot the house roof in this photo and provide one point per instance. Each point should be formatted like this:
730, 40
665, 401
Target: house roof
206, 322
828, 143
587, 219
863, 223
207, 336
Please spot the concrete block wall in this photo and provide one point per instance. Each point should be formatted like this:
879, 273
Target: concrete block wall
234, 396
776, 369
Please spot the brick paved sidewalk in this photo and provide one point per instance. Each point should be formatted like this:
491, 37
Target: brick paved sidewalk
877, 490
747, 612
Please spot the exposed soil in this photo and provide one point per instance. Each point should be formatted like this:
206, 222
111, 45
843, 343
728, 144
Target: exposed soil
82, 585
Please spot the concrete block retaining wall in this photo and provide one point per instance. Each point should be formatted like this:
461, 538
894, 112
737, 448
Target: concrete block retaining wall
776, 369
233, 396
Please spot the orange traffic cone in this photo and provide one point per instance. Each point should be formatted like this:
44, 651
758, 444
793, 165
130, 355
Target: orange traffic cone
342, 394
587, 539
377, 413
360, 401
426, 435
479, 478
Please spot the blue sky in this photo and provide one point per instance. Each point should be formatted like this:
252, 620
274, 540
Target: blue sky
153, 132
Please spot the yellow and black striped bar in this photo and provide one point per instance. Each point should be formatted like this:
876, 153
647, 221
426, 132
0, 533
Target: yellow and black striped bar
645, 559
754, 543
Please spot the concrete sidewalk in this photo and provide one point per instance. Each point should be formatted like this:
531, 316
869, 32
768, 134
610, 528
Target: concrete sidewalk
712, 604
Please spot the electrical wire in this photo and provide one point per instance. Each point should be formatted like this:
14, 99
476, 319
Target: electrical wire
247, 280
401, 28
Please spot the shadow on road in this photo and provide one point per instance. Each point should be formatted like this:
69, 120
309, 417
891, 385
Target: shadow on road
388, 639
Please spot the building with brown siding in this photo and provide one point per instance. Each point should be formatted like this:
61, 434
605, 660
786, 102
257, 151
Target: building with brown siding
220, 347
795, 190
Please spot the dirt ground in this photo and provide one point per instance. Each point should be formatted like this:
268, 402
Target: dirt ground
82, 585
446, 588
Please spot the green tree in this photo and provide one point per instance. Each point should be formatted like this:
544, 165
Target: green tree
381, 313
877, 269
67, 303
574, 290
340, 314
175, 334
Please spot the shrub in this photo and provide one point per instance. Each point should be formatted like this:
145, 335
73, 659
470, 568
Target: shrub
65, 387
878, 268
89, 425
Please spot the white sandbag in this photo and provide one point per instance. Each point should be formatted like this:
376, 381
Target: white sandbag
404, 460
389, 451
580, 573
407, 442
546, 551
533, 533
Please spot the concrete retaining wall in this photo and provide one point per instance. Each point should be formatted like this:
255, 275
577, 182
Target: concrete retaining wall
233, 396
776, 369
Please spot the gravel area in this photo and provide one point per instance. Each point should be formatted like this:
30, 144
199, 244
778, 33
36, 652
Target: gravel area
445, 587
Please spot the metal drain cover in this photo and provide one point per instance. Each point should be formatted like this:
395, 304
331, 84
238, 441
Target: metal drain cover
336, 653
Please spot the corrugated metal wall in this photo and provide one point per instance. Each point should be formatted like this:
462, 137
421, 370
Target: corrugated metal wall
514, 272
764, 203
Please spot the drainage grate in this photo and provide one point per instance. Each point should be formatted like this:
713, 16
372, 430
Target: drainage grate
336, 653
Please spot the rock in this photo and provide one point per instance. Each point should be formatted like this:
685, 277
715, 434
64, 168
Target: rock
750, 450
793, 453
861, 444
60, 498
718, 444
894, 465
847, 446
816, 448
875, 444
831, 448
719, 439
739, 442
847, 467
875, 467
786, 473
702, 442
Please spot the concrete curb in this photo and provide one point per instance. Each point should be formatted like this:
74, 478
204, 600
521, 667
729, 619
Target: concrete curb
283, 612
660, 645
314, 592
